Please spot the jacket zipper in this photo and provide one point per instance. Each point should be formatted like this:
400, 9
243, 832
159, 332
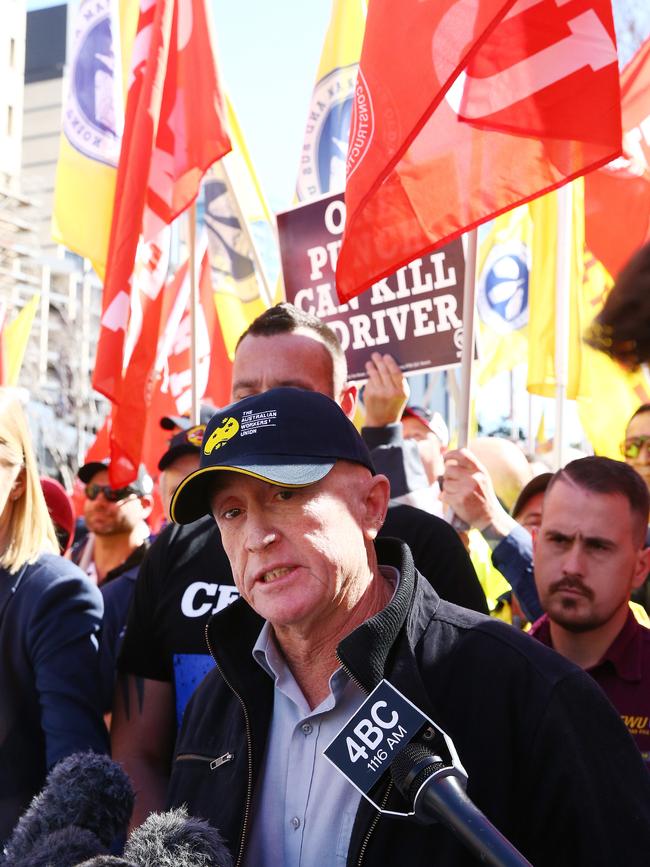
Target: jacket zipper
249, 786
214, 763
373, 824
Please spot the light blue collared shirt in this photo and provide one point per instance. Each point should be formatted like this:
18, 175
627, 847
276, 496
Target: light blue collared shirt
303, 808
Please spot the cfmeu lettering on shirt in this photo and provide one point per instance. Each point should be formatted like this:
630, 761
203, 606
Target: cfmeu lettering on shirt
201, 598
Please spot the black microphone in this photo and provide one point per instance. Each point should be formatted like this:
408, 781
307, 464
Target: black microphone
86, 790
435, 790
59, 849
174, 839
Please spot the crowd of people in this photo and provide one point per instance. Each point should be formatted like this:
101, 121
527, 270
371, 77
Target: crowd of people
304, 562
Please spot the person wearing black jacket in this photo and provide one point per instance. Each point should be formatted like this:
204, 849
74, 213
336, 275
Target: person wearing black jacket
326, 614
185, 577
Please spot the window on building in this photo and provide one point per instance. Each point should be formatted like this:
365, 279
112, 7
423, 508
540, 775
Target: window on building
12, 52
10, 120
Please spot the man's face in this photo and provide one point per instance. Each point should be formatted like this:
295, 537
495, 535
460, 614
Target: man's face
173, 475
295, 359
298, 554
639, 428
587, 557
111, 519
429, 447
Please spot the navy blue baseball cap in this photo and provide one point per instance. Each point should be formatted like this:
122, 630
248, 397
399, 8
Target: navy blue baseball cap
285, 436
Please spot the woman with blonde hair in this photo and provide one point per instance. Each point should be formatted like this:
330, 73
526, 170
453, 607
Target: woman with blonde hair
50, 618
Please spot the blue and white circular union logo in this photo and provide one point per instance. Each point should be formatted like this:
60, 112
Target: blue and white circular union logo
89, 120
325, 146
502, 296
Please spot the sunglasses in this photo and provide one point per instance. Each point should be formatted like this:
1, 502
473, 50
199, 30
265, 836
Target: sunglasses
113, 495
631, 448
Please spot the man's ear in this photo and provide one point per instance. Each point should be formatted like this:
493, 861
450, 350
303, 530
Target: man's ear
376, 504
348, 400
642, 568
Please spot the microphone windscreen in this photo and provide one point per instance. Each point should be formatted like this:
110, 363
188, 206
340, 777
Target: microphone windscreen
174, 839
61, 848
85, 789
107, 861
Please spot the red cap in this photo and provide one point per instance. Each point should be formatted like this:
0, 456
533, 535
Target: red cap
59, 505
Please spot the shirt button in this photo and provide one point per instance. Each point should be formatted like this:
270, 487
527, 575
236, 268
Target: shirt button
307, 728
295, 823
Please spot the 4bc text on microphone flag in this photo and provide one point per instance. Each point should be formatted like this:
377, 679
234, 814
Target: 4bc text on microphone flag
464, 109
174, 130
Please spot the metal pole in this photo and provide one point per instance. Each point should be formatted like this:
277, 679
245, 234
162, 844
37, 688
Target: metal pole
562, 316
194, 304
45, 325
467, 354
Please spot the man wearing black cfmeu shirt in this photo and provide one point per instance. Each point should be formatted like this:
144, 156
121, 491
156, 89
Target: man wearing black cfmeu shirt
186, 576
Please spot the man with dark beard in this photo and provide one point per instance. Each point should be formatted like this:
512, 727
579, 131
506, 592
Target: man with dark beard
590, 555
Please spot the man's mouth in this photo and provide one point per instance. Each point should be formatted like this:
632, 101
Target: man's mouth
274, 574
572, 589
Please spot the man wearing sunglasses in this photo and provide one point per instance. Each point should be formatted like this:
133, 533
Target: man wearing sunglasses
111, 553
635, 448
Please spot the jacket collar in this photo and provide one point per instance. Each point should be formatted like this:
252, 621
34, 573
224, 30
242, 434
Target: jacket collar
365, 651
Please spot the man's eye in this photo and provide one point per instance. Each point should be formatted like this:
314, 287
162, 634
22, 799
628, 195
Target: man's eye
229, 514
284, 495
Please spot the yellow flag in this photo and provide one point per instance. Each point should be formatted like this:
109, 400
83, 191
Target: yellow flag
322, 161
239, 294
93, 117
15, 337
606, 394
541, 325
609, 395
503, 269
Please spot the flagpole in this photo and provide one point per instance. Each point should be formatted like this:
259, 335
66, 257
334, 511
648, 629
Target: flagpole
45, 325
267, 294
562, 316
531, 436
467, 354
194, 304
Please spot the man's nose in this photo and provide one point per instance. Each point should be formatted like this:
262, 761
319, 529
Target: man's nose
573, 560
259, 532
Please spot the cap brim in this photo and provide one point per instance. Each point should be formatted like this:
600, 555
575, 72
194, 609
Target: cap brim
191, 499
171, 422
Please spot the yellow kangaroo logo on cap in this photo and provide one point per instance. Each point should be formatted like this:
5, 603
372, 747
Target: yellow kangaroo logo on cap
220, 436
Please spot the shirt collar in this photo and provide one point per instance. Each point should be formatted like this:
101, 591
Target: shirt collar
623, 653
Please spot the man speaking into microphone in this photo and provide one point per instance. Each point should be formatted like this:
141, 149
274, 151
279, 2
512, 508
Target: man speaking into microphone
327, 613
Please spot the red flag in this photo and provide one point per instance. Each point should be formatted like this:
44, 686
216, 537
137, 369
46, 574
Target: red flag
170, 392
617, 197
174, 130
464, 109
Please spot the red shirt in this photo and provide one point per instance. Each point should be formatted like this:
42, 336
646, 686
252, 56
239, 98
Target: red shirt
623, 674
